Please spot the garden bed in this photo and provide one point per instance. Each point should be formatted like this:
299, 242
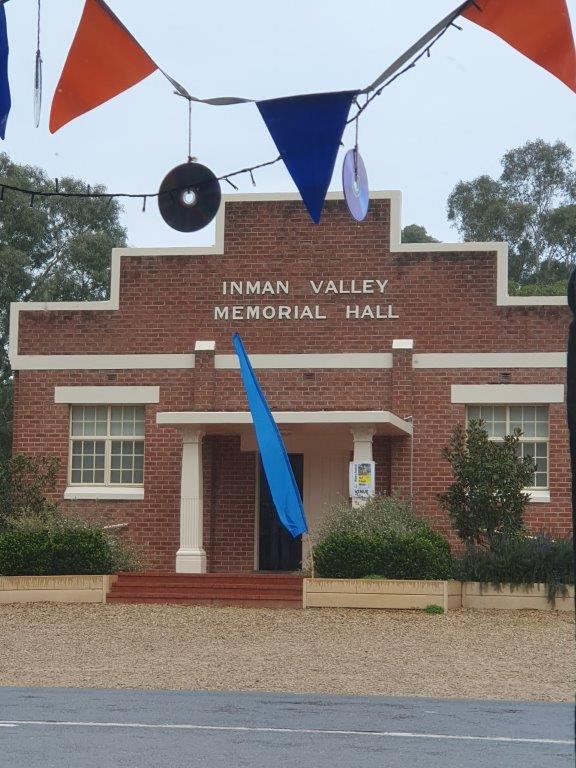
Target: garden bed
54, 589
476, 594
449, 595
381, 593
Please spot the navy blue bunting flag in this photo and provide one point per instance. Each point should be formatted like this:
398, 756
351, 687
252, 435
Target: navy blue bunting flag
5, 102
307, 131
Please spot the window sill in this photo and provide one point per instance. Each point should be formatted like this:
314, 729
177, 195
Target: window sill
539, 497
74, 492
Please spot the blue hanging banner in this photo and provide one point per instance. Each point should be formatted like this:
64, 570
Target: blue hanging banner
307, 131
5, 102
275, 461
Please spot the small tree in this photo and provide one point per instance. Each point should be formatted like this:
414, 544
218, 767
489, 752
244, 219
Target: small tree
487, 496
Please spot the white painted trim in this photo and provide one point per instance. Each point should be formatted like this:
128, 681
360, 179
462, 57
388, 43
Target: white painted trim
539, 497
205, 346
524, 394
103, 493
403, 344
285, 417
328, 360
396, 246
100, 362
106, 395
490, 360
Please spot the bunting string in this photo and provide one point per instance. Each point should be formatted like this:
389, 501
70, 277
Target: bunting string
105, 59
181, 91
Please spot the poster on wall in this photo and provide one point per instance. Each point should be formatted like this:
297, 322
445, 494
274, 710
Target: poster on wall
362, 479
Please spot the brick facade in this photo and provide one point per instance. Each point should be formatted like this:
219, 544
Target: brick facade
445, 301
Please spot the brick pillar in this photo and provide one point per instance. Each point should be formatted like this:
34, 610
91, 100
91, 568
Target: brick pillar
204, 375
402, 406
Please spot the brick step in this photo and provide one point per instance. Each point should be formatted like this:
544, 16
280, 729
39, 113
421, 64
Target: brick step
237, 589
294, 604
257, 575
223, 594
209, 583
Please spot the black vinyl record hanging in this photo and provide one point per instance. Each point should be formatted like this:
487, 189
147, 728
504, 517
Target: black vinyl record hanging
189, 197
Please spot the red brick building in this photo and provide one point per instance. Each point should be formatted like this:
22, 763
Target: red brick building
365, 347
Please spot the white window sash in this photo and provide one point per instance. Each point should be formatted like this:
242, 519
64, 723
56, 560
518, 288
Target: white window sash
523, 439
108, 439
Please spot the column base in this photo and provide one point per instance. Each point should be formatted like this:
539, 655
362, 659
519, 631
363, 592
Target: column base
191, 561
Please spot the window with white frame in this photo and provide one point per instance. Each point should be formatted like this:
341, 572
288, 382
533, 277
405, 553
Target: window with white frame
502, 420
107, 445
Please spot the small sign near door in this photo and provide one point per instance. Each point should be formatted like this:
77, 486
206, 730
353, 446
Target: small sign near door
362, 479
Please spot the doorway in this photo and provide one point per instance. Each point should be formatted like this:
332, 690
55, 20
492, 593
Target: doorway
277, 549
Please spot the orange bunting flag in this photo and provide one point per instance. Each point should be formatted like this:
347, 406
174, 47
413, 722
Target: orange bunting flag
540, 29
103, 61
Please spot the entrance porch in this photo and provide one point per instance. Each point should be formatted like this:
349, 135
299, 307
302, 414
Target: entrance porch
226, 520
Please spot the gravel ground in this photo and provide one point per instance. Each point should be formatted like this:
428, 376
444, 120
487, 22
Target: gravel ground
464, 654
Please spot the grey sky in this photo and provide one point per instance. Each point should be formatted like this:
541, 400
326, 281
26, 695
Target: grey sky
450, 118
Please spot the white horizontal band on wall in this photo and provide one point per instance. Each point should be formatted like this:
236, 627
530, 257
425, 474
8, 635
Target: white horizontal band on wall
100, 362
320, 360
505, 394
106, 395
103, 493
490, 360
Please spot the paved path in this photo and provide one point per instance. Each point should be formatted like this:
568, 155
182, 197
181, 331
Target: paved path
76, 728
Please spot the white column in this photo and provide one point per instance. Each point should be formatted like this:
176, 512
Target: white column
191, 557
362, 436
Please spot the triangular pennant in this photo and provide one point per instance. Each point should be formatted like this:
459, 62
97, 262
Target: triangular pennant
103, 61
307, 131
5, 101
540, 29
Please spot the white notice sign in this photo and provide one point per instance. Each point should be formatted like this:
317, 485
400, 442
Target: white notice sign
362, 479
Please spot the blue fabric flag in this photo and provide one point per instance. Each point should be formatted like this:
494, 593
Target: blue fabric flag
275, 461
307, 131
5, 102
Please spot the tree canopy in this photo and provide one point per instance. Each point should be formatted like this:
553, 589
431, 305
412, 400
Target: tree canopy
531, 206
51, 249
415, 233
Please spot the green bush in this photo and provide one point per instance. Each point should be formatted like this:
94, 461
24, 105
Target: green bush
380, 515
520, 560
487, 496
64, 549
25, 482
412, 555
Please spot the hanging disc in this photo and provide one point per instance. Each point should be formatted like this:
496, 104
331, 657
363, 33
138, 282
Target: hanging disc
189, 197
355, 184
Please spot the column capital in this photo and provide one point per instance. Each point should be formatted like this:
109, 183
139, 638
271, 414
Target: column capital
363, 433
192, 435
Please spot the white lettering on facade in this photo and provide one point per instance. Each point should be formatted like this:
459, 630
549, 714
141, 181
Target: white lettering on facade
255, 287
328, 287
269, 312
356, 312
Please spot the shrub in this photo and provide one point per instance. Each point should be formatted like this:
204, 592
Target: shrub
412, 555
486, 497
24, 482
380, 515
520, 560
65, 548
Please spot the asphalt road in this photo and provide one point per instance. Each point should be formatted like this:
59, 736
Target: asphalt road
72, 728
